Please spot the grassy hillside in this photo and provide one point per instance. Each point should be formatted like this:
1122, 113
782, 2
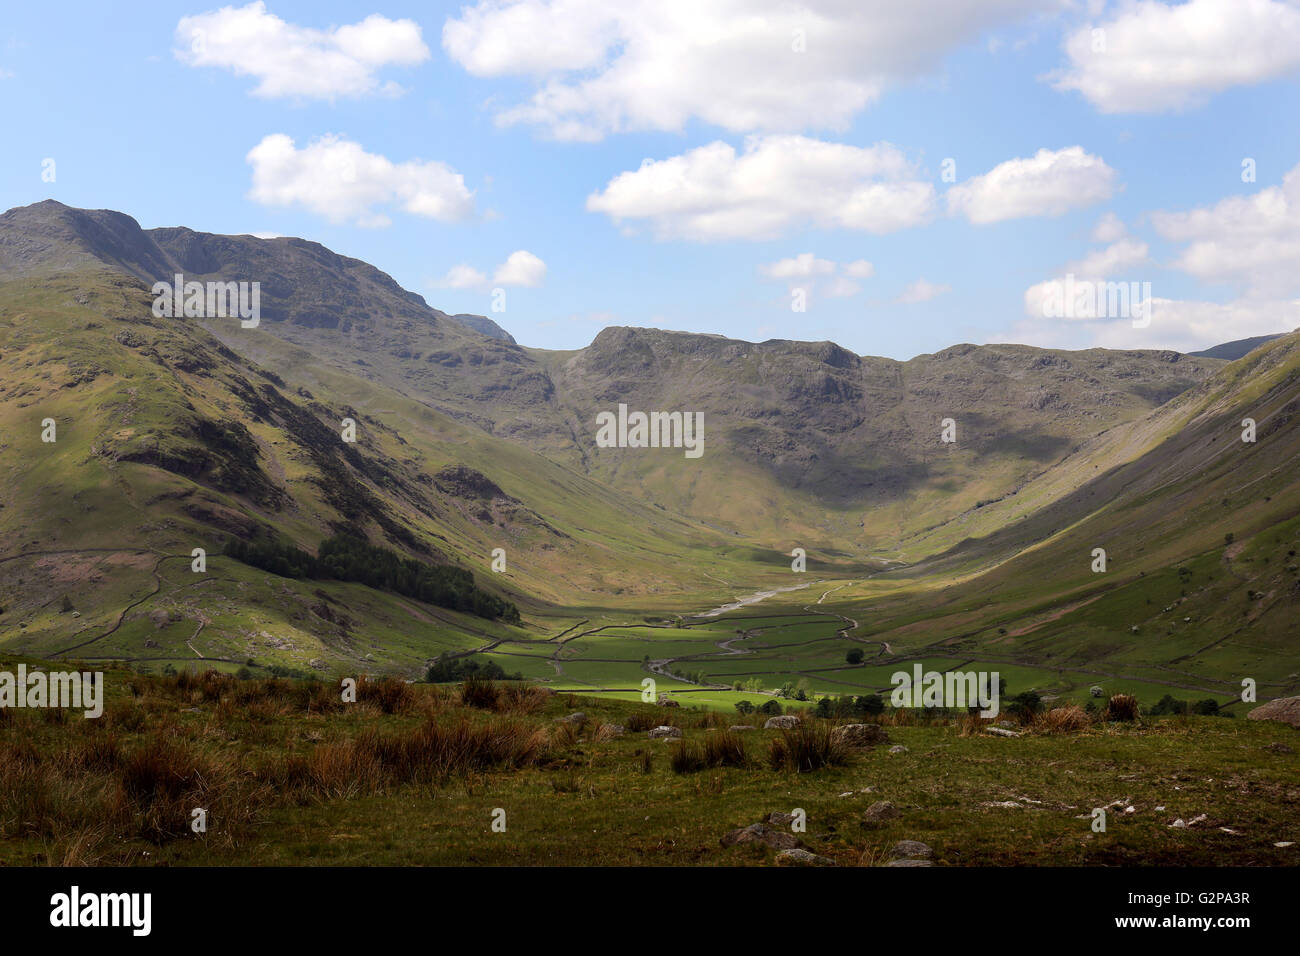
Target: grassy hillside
166, 441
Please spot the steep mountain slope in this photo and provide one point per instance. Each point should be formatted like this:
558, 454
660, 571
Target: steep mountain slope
1201, 532
805, 443
165, 441
1237, 348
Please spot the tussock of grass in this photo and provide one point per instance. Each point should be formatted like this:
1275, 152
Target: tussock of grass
718, 748
1123, 707
805, 748
477, 692
639, 721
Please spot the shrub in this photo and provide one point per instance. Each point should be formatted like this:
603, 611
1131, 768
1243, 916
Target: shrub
1168, 704
1122, 707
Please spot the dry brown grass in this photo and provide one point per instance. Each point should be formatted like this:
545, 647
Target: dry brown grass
83, 787
1063, 720
520, 698
970, 725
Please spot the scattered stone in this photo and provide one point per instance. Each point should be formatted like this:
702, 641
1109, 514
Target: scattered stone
1285, 709
911, 849
909, 862
1096, 691
1181, 824
802, 858
665, 732
1277, 747
1284, 844
577, 717
880, 811
859, 735
739, 727
762, 833
898, 749
666, 701
782, 722
1002, 732
780, 819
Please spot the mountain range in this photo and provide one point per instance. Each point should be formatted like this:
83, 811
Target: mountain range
178, 433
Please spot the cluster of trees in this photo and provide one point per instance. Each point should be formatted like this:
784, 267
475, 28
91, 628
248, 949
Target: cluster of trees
789, 690
1209, 707
345, 557
462, 668
770, 708
849, 706
691, 677
1025, 704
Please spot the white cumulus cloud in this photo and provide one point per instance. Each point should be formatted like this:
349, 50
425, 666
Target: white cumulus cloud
293, 61
339, 180
746, 65
1157, 56
1249, 241
776, 185
1048, 183
463, 277
803, 265
521, 268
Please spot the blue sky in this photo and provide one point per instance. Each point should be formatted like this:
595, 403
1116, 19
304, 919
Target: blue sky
785, 141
